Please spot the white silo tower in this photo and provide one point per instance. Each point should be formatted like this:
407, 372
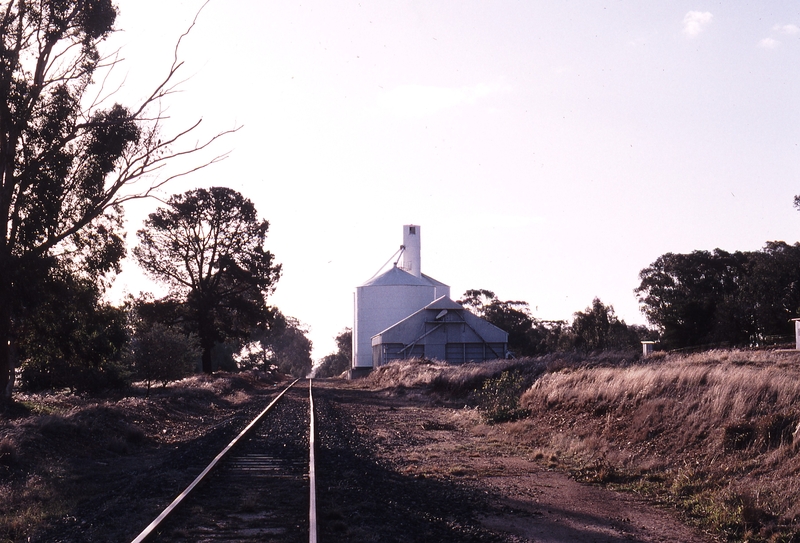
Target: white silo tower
411, 250
390, 297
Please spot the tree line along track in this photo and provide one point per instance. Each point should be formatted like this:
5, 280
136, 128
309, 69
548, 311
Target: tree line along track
256, 489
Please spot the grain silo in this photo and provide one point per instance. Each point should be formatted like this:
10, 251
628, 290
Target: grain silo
392, 296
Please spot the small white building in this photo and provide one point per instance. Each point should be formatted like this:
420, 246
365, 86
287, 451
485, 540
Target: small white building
383, 303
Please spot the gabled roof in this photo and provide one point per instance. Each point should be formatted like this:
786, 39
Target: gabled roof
443, 302
455, 313
397, 276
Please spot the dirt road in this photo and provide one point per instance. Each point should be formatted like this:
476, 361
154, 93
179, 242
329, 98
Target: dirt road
421, 472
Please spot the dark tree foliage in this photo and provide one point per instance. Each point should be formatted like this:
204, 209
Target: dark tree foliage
162, 354
73, 340
549, 336
335, 364
287, 345
771, 293
597, 328
511, 316
208, 246
711, 298
477, 299
69, 157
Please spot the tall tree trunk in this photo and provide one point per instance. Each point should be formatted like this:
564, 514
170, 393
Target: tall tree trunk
207, 362
6, 360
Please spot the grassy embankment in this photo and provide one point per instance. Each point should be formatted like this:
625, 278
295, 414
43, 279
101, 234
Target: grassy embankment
716, 434
59, 450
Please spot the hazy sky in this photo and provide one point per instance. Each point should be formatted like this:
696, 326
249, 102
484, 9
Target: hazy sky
549, 150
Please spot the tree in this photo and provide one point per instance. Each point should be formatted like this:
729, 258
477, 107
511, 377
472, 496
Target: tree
740, 298
287, 345
208, 245
337, 363
678, 293
511, 316
597, 328
68, 159
476, 300
73, 340
161, 353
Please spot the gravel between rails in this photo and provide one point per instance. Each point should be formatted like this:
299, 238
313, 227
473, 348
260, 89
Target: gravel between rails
392, 466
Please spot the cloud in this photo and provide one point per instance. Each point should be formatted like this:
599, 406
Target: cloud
420, 100
768, 43
787, 29
695, 22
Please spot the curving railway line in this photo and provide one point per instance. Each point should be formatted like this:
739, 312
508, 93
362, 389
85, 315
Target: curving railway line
263, 485
372, 466
260, 487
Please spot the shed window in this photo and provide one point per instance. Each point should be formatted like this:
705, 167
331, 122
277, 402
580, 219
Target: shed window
412, 230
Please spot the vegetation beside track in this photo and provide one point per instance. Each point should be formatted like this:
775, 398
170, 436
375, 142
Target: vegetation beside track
71, 463
716, 434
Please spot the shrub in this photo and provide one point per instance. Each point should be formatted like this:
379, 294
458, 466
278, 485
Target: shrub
499, 397
162, 354
8, 452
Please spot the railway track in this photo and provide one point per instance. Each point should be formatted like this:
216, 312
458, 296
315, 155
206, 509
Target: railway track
257, 489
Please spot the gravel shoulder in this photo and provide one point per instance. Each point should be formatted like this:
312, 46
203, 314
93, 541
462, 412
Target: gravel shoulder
393, 466
506, 492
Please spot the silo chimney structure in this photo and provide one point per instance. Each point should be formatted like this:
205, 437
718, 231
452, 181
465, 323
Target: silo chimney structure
390, 297
411, 253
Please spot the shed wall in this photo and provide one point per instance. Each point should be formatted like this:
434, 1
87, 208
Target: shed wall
379, 307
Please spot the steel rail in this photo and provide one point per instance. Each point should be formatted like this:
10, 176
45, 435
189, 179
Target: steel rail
312, 475
153, 525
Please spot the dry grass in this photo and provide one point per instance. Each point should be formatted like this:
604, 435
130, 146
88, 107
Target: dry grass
715, 433
50, 444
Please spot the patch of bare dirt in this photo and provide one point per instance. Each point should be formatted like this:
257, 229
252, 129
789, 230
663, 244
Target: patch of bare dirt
527, 499
397, 466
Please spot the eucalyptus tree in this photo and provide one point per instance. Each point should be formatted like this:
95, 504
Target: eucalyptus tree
69, 157
338, 362
208, 246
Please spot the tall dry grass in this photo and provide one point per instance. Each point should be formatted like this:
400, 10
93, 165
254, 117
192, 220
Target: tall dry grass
715, 433
718, 431
715, 386
463, 379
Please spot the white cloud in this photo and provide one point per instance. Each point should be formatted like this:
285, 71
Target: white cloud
787, 29
768, 43
695, 22
420, 100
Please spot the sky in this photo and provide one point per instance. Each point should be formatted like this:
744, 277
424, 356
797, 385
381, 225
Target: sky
549, 150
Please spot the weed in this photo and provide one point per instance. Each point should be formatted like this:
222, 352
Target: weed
8, 452
133, 434
118, 446
498, 398
738, 437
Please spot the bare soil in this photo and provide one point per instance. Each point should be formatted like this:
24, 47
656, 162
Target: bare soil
396, 466
525, 497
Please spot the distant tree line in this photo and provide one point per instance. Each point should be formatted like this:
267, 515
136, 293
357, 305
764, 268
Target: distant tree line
70, 158
338, 362
207, 245
721, 298
695, 300
597, 328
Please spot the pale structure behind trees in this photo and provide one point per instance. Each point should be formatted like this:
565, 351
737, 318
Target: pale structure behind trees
402, 313
69, 156
391, 296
